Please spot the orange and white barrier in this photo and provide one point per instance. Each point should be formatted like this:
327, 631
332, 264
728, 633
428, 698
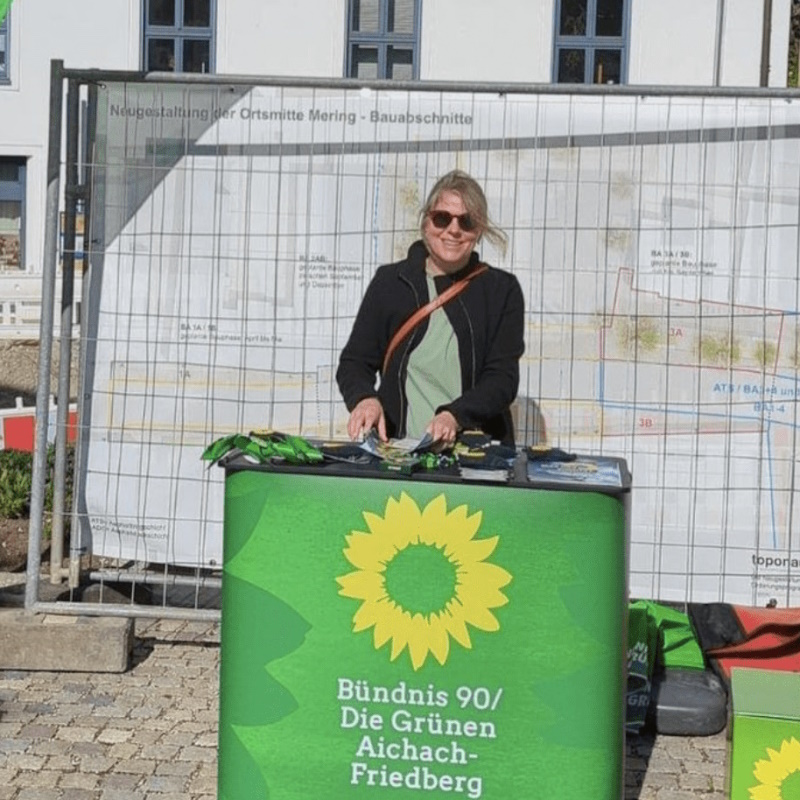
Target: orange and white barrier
18, 426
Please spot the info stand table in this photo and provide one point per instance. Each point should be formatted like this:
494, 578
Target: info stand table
389, 636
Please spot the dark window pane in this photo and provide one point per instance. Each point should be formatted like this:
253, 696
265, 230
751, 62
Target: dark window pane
196, 53
607, 66
572, 66
3, 49
573, 18
9, 172
609, 18
197, 13
401, 16
366, 16
400, 64
364, 62
161, 12
10, 242
161, 55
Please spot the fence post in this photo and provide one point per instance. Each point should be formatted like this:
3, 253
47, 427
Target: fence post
71, 192
39, 476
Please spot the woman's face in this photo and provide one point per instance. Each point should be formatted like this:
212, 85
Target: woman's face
449, 247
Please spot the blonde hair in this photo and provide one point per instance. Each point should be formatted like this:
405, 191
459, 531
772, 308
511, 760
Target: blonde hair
470, 192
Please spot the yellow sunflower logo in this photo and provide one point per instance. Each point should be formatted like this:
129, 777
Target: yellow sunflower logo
422, 577
779, 775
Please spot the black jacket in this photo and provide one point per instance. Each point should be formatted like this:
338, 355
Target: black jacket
488, 320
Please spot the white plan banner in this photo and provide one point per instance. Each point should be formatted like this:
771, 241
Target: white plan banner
655, 238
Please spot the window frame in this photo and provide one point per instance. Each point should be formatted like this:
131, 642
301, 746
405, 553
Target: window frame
382, 40
590, 42
14, 191
5, 28
180, 34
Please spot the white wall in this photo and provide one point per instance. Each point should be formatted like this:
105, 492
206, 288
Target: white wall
741, 54
672, 43
471, 40
741, 51
675, 43
105, 32
779, 44
281, 37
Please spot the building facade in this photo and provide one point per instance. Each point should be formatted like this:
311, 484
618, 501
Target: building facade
681, 43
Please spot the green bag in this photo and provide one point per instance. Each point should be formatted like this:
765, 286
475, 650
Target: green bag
657, 636
677, 645
641, 659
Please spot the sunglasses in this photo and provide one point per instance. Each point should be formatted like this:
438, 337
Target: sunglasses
441, 219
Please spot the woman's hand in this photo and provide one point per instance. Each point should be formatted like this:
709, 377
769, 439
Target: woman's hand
368, 414
443, 428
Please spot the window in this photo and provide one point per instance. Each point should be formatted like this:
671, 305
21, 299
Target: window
12, 213
383, 39
179, 35
4, 50
591, 41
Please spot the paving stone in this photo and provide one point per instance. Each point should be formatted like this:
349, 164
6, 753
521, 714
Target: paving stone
172, 784
113, 736
197, 754
660, 780
57, 753
79, 780
692, 781
182, 768
138, 766
121, 781
38, 793
88, 749
14, 745
24, 762
73, 733
79, 794
34, 731
120, 794
159, 752
7, 775
97, 764
43, 779
203, 783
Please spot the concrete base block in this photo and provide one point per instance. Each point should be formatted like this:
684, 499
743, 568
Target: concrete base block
64, 643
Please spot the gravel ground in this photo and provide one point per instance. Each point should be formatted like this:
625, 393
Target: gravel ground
19, 371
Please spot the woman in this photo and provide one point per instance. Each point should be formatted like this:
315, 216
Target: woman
458, 367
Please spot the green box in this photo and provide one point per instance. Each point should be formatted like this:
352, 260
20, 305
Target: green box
765, 735
409, 639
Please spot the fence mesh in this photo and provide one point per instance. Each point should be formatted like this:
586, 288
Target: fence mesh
234, 229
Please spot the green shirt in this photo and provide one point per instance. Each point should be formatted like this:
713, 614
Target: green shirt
433, 377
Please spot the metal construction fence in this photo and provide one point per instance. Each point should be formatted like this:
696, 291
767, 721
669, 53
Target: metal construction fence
224, 230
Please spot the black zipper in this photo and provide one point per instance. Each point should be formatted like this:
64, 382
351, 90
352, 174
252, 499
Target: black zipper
471, 341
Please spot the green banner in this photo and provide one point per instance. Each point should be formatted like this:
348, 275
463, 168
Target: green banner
395, 639
4, 6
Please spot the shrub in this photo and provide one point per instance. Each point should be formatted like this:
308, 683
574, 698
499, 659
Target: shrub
16, 478
15, 483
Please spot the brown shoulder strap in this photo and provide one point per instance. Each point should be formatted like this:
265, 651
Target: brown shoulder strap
426, 310
790, 631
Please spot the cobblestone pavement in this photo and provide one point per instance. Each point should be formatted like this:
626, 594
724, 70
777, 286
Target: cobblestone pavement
151, 733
